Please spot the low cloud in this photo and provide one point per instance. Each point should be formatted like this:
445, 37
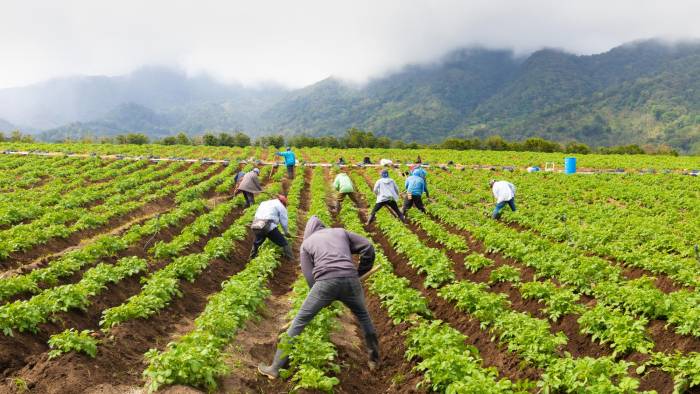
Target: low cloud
300, 42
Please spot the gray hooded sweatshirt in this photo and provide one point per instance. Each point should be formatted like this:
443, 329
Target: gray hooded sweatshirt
386, 190
326, 253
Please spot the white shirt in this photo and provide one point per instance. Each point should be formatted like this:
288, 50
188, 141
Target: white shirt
275, 212
503, 191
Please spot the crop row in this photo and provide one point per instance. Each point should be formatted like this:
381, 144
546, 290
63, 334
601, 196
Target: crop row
103, 246
528, 336
656, 238
28, 315
197, 358
603, 321
311, 353
160, 287
67, 192
63, 222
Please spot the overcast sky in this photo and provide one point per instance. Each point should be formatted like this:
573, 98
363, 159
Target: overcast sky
302, 41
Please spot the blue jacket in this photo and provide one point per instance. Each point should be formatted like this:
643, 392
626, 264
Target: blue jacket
415, 185
289, 158
420, 172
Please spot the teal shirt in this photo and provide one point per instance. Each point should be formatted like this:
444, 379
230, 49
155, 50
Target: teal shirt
289, 158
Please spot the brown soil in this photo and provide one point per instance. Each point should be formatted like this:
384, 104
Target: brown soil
257, 341
663, 282
116, 361
56, 245
508, 364
579, 345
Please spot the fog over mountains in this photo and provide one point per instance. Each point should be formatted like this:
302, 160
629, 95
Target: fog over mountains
642, 92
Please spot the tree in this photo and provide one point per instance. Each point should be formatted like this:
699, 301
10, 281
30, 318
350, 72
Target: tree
210, 139
540, 145
169, 141
182, 139
495, 142
577, 147
133, 138
241, 139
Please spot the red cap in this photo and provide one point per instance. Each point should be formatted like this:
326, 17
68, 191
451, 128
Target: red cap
283, 199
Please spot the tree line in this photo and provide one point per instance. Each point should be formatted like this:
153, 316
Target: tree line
355, 138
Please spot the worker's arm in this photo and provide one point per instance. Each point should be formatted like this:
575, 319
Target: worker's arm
405, 184
284, 220
307, 267
256, 181
376, 187
425, 188
278, 154
361, 245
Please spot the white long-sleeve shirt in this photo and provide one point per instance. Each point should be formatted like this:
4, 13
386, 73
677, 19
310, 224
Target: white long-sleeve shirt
275, 212
503, 191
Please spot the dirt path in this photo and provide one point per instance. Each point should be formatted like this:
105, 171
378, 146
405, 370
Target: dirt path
256, 343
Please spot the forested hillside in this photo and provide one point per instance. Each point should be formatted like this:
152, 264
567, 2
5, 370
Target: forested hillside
643, 92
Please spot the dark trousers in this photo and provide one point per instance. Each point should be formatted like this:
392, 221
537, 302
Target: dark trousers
323, 293
389, 203
275, 236
290, 172
499, 207
414, 200
249, 198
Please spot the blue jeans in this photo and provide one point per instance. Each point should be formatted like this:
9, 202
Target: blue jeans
497, 211
323, 293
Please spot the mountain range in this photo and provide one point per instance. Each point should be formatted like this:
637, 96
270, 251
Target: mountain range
641, 92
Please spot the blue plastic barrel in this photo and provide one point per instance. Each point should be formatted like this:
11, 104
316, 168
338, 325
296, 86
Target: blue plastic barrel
569, 165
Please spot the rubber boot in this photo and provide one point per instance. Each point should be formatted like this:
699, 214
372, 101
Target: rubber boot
288, 253
373, 350
273, 371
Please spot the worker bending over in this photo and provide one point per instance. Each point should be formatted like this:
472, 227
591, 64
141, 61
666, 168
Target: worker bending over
327, 264
387, 194
504, 192
289, 160
415, 187
250, 186
343, 185
269, 214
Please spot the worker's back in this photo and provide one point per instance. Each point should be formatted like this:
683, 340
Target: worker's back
330, 250
415, 185
343, 184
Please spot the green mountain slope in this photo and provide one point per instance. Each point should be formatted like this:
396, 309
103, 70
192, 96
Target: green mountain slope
642, 92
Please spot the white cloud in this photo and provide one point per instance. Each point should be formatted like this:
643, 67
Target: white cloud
300, 42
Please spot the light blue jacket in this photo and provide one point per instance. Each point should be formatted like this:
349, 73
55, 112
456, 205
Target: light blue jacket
289, 158
415, 185
420, 172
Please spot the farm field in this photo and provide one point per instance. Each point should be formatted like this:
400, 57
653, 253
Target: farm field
132, 275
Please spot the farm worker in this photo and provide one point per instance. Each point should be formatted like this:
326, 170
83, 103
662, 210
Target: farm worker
418, 170
289, 160
250, 186
419, 160
341, 161
343, 185
269, 214
387, 194
327, 264
239, 175
415, 187
504, 192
